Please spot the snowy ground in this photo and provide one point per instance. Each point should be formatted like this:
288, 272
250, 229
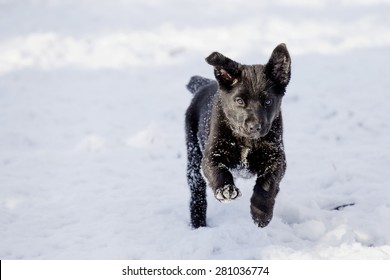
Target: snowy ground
92, 154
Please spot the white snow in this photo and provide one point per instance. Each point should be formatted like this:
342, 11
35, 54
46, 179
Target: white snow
92, 149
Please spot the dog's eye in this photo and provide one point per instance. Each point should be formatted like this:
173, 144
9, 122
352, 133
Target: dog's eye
268, 102
240, 101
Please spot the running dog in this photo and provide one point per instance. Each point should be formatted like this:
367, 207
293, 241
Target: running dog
235, 123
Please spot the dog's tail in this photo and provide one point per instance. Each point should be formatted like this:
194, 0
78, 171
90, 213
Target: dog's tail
197, 82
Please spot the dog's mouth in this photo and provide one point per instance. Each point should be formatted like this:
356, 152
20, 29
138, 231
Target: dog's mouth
255, 136
250, 134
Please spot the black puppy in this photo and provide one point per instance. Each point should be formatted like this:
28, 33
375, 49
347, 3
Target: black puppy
236, 123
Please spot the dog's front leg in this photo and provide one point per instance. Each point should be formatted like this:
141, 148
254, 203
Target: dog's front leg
220, 179
266, 189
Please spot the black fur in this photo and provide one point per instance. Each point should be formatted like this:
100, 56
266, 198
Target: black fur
236, 123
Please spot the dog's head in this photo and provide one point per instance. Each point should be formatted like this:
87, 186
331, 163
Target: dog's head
251, 95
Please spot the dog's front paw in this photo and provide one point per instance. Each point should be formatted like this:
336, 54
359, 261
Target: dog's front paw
261, 218
227, 193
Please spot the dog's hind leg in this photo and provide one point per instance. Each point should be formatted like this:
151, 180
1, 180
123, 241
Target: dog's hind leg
198, 203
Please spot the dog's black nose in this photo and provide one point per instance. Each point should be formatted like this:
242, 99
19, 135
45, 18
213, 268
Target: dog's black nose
254, 127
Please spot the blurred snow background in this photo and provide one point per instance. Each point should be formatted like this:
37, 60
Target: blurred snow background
92, 154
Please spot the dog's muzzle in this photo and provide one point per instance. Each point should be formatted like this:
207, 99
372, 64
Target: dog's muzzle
254, 131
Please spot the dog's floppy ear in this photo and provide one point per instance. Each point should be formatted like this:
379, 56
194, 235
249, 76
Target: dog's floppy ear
278, 67
226, 71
